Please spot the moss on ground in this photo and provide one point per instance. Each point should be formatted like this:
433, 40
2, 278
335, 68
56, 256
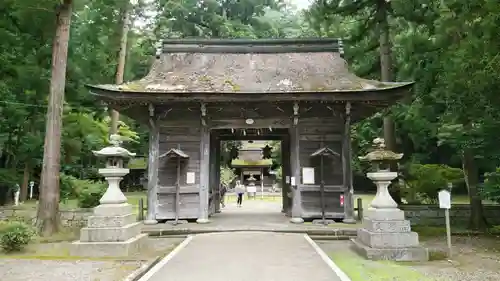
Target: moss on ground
360, 269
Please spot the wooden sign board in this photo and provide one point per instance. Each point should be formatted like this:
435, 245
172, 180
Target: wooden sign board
444, 197
190, 178
307, 175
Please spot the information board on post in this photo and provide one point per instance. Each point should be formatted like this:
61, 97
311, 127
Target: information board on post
190, 178
308, 175
444, 197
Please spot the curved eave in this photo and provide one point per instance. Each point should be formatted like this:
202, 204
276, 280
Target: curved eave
393, 91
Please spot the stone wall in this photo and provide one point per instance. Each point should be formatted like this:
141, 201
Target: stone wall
432, 215
70, 218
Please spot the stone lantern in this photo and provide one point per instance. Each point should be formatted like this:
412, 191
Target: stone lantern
382, 176
114, 170
385, 234
112, 230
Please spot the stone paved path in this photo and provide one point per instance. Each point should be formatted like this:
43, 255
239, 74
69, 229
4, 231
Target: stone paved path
257, 215
246, 256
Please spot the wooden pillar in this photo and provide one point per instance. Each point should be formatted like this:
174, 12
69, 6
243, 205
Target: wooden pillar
153, 160
285, 172
295, 163
204, 168
215, 143
347, 167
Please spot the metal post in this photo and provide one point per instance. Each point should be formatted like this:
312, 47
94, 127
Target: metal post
140, 216
360, 209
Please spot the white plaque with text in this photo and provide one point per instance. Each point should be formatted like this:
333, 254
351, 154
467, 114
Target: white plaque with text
190, 178
444, 197
307, 175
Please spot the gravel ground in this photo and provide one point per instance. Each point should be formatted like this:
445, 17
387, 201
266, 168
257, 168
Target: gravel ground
474, 259
45, 268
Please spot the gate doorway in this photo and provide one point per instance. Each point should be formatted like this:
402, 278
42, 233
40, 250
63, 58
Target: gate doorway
259, 159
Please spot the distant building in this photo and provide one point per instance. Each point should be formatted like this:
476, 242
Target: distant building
250, 162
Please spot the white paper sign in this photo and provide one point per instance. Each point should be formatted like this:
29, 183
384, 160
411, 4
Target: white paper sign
292, 179
444, 199
190, 178
307, 175
287, 179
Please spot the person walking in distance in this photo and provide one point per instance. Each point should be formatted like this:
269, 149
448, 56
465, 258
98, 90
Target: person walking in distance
240, 190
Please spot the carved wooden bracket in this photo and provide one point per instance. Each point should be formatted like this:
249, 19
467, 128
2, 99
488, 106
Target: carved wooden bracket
348, 108
203, 110
295, 113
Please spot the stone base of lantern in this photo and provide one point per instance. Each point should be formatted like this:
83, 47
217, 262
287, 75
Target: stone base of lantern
111, 232
386, 235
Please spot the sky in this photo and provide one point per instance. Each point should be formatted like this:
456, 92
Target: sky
301, 4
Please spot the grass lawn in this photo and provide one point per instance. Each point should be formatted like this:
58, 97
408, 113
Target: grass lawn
360, 269
57, 247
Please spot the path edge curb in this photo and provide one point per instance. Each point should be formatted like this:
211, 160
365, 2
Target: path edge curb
340, 274
138, 273
145, 272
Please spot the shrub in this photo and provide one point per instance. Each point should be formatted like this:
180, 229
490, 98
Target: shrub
495, 230
70, 186
427, 180
491, 186
14, 236
88, 197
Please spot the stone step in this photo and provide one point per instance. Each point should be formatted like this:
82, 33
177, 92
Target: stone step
109, 249
387, 226
387, 240
111, 221
110, 234
417, 253
327, 232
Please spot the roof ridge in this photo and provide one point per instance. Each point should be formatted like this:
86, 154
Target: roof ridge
286, 45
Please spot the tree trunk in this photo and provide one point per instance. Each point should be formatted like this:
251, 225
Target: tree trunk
120, 68
48, 207
386, 76
23, 194
471, 173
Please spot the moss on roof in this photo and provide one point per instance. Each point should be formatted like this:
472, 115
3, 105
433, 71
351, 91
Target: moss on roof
262, 162
250, 73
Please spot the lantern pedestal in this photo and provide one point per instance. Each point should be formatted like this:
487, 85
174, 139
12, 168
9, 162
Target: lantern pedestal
113, 230
385, 234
